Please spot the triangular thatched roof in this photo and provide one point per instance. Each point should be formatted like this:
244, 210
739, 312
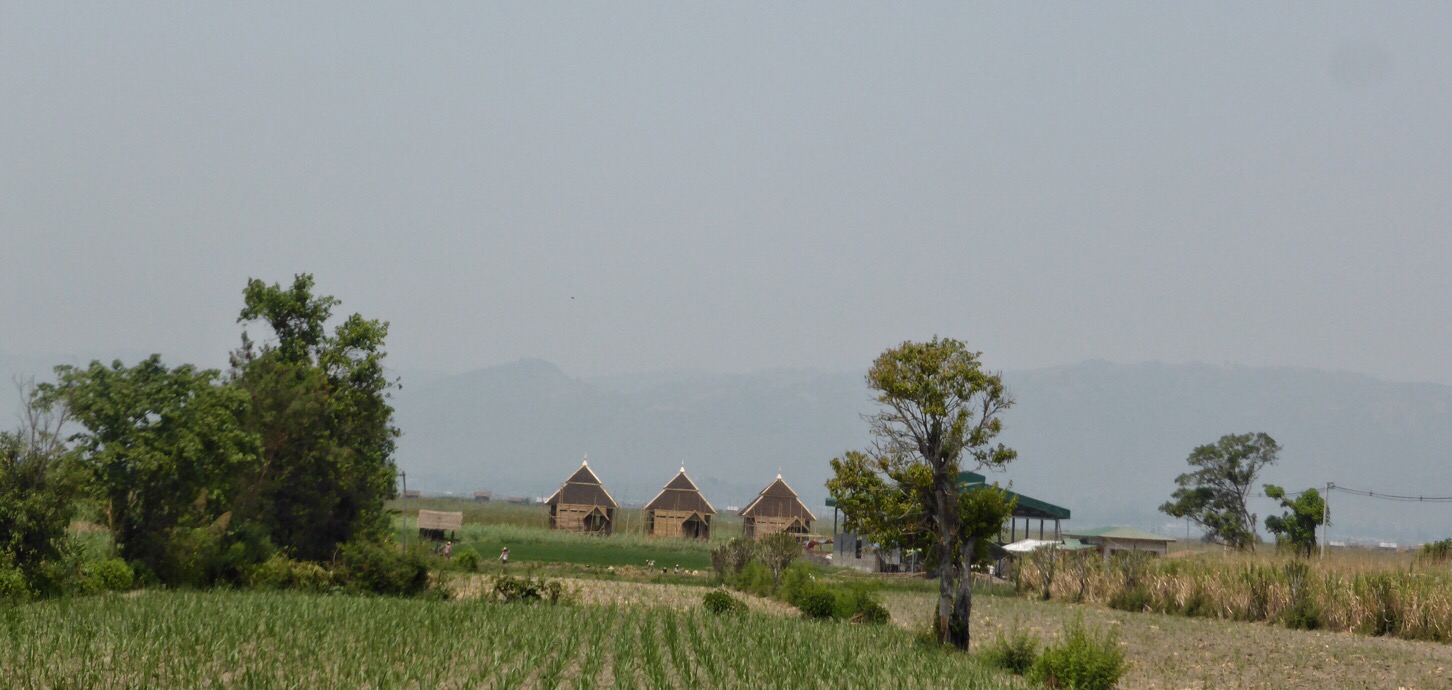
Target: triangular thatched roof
777, 500
681, 494
583, 488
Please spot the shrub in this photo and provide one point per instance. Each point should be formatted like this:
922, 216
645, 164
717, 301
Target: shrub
379, 568
870, 612
1380, 595
719, 602
1132, 598
1083, 660
112, 575
13, 586
754, 578
1437, 551
728, 559
528, 589
468, 560
818, 604
1016, 653
1199, 605
281, 572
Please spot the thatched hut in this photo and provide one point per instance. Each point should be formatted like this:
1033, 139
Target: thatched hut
679, 510
582, 504
776, 509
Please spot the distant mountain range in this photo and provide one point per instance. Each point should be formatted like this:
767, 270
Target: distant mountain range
1105, 440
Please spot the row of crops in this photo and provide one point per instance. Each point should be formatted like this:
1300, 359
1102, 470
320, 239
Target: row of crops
268, 640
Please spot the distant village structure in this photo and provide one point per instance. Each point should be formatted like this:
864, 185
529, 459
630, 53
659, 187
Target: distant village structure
776, 509
1112, 540
853, 551
437, 525
481, 496
679, 510
582, 504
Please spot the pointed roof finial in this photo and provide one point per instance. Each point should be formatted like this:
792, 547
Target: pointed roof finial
586, 461
778, 473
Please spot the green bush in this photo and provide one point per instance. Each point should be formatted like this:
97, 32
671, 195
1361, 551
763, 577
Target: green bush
13, 585
1082, 660
754, 578
1132, 598
281, 572
1016, 652
528, 589
719, 602
379, 568
468, 560
818, 604
870, 612
112, 575
1199, 605
1437, 551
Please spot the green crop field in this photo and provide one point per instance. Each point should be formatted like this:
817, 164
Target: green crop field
254, 640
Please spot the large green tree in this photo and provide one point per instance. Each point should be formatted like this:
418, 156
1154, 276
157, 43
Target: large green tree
1215, 494
161, 448
1297, 526
36, 491
318, 401
938, 408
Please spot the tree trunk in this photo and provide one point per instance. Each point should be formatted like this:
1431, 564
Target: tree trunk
958, 627
952, 623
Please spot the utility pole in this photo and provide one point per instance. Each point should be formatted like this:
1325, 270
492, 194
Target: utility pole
1326, 516
403, 474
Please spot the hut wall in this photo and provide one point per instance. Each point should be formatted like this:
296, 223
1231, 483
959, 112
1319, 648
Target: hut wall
671, 523
571, 517
759, 527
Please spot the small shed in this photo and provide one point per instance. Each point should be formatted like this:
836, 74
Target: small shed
776, 509
679, 510
413, 493
1112, 540
481, 496
582, 504
438, 525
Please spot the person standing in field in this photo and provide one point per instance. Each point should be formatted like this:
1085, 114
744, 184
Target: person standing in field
504, 556
448, 549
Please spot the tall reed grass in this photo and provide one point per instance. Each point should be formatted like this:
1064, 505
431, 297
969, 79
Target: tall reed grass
1366, 592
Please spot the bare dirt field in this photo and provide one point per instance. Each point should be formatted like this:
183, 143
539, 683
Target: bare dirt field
1175, 652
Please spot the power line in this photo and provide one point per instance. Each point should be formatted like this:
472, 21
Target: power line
1392, 497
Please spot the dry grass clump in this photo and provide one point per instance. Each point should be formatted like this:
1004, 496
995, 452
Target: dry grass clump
1368, 593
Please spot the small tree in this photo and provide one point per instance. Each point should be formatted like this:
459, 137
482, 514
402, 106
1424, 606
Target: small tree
1297, 526
937, 405
36, 491
776, 552
1214, 495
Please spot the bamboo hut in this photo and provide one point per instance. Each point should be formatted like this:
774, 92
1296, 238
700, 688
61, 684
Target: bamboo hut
776, 509
582, 505
679, 510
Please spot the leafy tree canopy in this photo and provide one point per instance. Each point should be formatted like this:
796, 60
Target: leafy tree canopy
936, 405
1215, 494
1297, 526
319, 403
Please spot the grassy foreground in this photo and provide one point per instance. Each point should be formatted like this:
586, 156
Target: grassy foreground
268, 640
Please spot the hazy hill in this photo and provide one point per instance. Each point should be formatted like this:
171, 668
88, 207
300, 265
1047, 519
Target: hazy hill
1104, 439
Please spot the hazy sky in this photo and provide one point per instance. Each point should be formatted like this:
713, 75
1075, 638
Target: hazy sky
620, 188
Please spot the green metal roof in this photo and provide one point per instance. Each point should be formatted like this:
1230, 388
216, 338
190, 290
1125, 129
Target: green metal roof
1117, 533
1027, 506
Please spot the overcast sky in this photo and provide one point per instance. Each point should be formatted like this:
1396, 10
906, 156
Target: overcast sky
622, 188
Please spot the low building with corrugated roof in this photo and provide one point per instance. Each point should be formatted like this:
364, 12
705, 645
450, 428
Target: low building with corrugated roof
1112, 540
